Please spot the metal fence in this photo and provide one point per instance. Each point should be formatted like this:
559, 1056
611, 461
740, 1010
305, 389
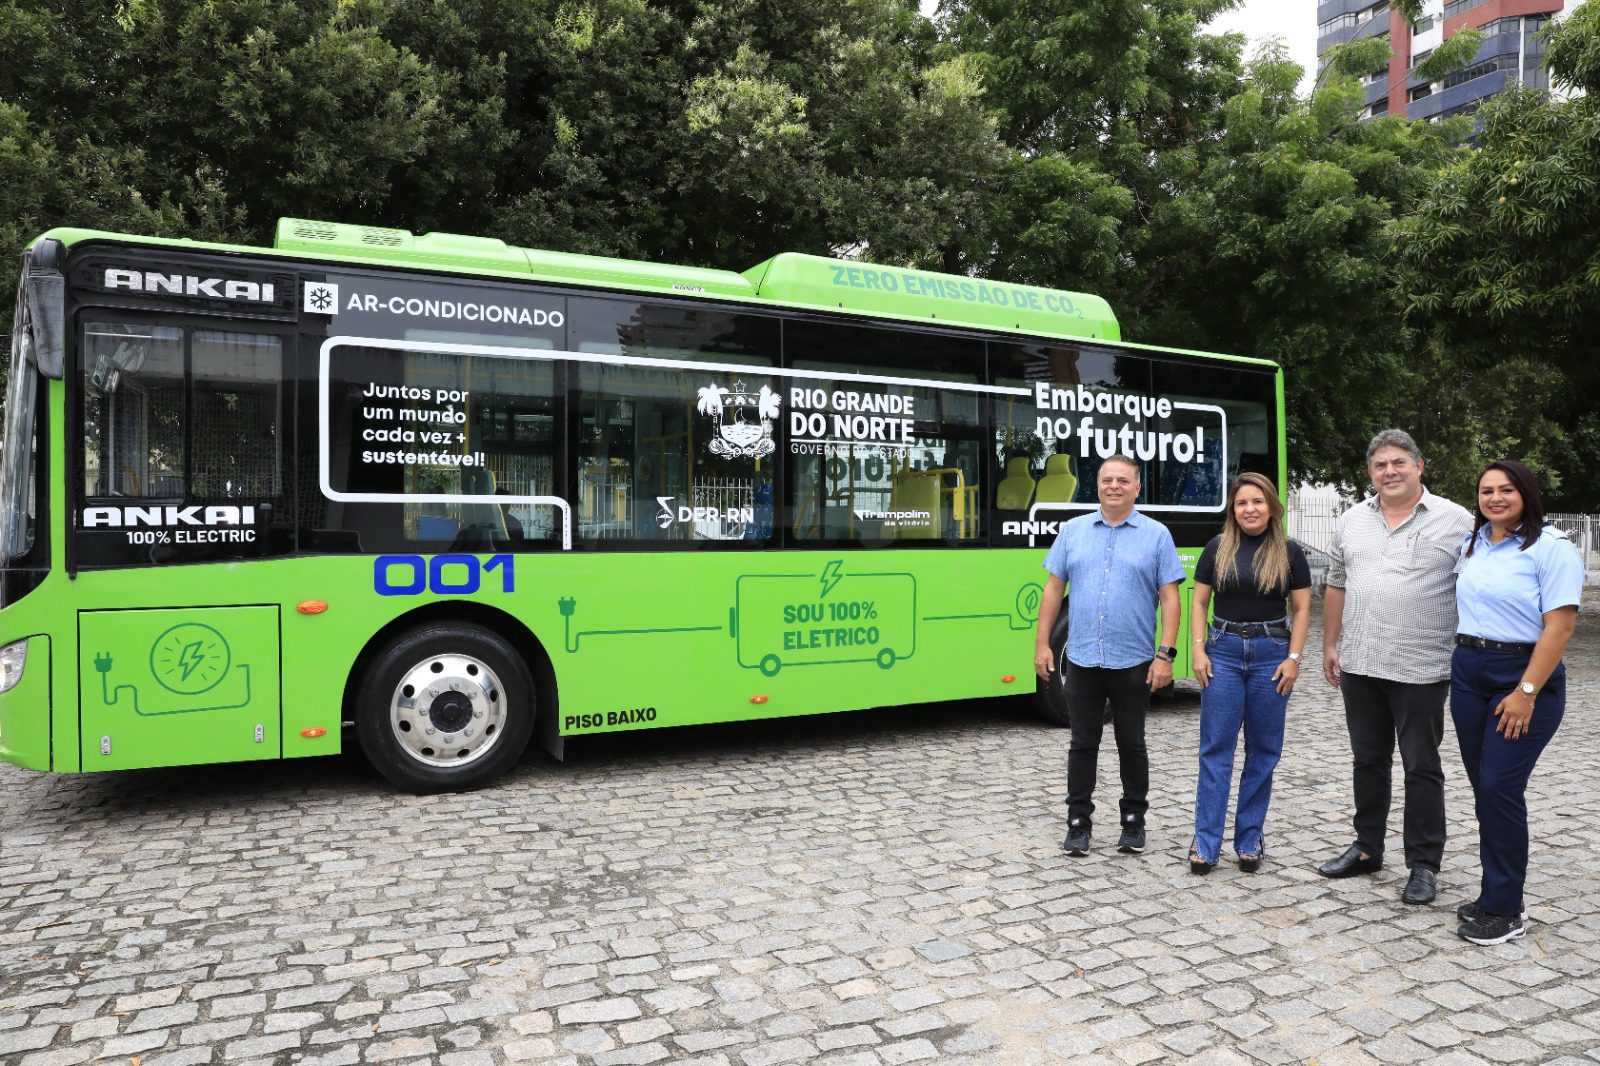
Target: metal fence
1584, 529
1313, 515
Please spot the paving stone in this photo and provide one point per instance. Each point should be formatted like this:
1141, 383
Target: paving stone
853, 891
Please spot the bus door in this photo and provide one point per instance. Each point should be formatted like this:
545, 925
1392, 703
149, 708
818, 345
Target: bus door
174, 686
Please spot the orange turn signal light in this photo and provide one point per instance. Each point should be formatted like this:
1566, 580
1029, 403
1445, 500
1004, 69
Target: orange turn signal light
758, 699
314, 732
1008, 678
311, 606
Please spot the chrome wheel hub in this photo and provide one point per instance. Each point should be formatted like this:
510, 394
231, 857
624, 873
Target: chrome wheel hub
448, 710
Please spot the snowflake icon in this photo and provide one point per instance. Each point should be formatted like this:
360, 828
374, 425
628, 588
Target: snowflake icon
321, 298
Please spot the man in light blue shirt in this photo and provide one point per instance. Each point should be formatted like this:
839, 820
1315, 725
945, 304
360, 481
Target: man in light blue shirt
1120, 564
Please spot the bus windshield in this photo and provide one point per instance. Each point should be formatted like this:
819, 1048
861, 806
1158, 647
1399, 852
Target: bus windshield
17, 446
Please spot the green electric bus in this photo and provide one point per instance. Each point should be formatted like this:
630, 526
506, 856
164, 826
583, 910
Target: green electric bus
457, 495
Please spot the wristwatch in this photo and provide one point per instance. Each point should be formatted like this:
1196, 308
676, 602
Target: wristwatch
1526, 688
1166, 653
1296, 657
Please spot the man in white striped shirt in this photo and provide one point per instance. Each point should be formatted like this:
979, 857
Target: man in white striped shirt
1391, 597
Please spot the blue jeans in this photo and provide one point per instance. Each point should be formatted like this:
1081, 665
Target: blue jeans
1241, 693
1499, 768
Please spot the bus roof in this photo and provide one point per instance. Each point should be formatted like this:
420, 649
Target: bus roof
791, 279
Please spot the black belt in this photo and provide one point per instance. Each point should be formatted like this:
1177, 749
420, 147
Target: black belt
1491, 645
1252, 629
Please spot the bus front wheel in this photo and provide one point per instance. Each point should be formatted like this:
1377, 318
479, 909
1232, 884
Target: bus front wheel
445, 707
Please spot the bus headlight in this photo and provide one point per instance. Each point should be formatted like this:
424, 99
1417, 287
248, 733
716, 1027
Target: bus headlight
12, 659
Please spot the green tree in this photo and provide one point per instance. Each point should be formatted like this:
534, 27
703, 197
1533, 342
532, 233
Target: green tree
1274, 245
726, 131
1498, 270
1099, 101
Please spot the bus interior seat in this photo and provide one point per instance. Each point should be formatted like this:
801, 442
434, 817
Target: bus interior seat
1059, 484
437, 527
916, 492
1015, 491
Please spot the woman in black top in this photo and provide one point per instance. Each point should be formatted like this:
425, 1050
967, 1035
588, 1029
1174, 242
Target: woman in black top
1247, 661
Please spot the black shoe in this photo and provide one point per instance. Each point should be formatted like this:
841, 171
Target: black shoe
1251, 863
1491, 929
1131, 842
1351, 863
1421, 887
1197, 865
1078, 837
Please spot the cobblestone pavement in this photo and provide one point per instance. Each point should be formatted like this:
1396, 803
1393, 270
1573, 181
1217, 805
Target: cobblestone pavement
867, 889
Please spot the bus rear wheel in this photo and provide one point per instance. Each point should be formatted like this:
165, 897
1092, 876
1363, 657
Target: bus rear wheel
445, 707
1050, 697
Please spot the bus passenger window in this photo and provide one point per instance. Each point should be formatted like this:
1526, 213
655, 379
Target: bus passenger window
667, 456
884, 460
238, 382
133, 411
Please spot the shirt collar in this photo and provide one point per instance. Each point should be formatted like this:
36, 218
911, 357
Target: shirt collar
1134, 518
1421, 505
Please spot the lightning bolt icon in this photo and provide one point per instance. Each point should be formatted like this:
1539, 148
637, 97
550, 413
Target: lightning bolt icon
191, 659
831, 576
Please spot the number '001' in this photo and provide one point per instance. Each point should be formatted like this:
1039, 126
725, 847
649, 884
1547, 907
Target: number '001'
443, 575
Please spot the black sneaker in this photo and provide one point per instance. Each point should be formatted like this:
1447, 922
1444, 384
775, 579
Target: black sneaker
1131, 842
1492, 929
1471, 912
1077, 842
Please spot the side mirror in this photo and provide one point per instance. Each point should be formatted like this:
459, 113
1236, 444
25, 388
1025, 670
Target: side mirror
45, 291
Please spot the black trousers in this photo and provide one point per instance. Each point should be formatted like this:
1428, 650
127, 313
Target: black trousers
1088, 688
1379, 713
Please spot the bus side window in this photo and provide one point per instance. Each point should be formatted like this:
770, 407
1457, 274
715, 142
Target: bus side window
885, 436
236, 408
133, 413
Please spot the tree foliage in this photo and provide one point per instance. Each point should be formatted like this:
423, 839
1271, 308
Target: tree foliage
1113, 146
1498, 268
699, 132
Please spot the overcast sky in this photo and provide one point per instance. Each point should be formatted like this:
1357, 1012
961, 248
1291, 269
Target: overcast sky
1295, 21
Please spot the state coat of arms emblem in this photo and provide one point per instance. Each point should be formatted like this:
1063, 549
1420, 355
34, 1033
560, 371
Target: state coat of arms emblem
743, 420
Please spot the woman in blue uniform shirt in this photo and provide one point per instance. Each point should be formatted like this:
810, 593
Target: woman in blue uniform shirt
1517, 592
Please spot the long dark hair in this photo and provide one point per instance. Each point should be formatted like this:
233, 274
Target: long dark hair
1527, 485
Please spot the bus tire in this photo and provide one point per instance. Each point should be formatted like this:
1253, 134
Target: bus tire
445, 707
1050, 697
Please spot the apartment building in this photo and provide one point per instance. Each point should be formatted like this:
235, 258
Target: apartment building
1512, 52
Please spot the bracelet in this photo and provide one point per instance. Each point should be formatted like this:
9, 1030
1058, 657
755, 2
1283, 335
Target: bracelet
1167, 658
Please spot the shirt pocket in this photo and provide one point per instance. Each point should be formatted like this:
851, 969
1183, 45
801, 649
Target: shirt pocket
1432, 555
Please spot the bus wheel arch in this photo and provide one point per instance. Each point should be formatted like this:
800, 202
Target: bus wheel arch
479, 652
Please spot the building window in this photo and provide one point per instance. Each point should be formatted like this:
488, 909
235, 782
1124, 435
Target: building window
1337, 23
1421, 92
1456, 7
1423, 25
1479, 70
